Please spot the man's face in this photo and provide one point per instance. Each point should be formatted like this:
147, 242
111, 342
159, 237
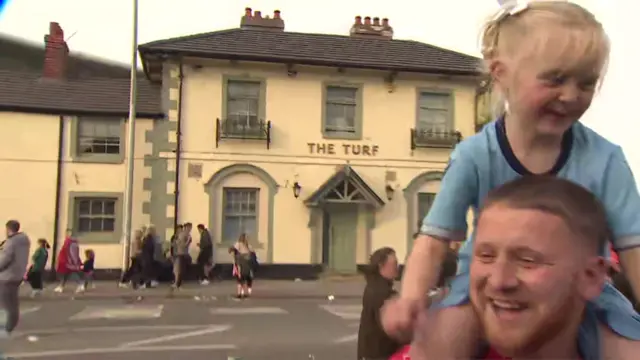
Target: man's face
528, 283
8, 231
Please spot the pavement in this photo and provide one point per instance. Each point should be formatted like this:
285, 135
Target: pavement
157, 328
263, 289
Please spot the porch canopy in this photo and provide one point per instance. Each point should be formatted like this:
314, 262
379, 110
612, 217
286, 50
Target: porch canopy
344, 187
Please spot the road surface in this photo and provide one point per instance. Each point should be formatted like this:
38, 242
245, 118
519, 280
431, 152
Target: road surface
198, 329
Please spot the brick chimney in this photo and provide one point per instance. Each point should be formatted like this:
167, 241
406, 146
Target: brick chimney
255, 20
369, 29
55, 53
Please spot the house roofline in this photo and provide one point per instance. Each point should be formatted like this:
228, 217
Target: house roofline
73, 112
290, 60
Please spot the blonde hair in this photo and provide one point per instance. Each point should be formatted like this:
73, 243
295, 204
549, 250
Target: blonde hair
243, 244
537, 25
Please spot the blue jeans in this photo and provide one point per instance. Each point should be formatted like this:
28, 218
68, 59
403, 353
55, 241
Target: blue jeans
611, 308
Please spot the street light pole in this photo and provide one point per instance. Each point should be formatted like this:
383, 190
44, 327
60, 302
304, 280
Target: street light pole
131, 131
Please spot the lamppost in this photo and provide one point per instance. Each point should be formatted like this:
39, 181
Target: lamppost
131, 131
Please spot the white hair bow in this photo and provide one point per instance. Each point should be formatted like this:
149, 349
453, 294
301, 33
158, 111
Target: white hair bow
510, 8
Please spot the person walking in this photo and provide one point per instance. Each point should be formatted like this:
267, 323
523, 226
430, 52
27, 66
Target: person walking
244, 264
205, 256
134, 266
14, 258
69, 263
147, 274
38, 262
181, 255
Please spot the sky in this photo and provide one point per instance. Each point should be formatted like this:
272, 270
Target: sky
104, 29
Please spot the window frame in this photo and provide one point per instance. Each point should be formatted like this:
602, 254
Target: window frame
262, 100
253, 240
420, 92
95, 237
74, 147
357, 134
419, 194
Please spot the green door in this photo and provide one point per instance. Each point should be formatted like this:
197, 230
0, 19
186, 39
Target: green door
342, 240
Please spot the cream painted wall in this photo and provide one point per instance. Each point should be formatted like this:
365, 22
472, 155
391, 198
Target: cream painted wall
28, 163
96, 177
29, 167
294, 107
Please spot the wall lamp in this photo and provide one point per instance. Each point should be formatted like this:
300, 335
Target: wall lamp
296, 189
389, 191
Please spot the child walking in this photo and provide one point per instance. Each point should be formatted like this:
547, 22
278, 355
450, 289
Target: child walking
546, 59
88, 268
38, 262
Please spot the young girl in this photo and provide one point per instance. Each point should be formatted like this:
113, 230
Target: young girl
38, 262
243, 266
88, 267
546, 58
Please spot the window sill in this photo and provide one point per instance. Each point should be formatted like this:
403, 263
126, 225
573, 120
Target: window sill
341, 136
93, 238
99, 159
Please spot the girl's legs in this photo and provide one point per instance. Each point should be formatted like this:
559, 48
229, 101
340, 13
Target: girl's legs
78, 277
63, 282
88, 280
35, 280
249, 286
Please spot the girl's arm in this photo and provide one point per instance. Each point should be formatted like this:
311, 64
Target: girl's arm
445, 222
622, 203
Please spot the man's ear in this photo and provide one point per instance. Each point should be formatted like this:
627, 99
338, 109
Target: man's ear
593, 277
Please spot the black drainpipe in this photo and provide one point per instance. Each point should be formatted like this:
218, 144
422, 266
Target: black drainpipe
56, 212
176, 190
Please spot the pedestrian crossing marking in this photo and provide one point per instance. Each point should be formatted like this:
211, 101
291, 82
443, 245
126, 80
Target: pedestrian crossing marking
248, 311
23, 312
122, 312
346, 312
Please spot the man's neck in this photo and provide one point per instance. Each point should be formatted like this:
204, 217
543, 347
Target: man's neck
563, 345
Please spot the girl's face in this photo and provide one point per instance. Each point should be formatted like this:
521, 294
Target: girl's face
553, 85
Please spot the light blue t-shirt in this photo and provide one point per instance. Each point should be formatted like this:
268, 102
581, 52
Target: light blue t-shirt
485, 161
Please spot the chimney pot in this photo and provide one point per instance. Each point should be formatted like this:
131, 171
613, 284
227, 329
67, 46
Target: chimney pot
385, 22
257, 14
367, 20
376, 21
276, 14
358, 20
248, 12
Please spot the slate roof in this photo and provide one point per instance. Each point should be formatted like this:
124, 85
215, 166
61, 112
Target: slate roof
19, 54
27, 91
318, 49
92, 86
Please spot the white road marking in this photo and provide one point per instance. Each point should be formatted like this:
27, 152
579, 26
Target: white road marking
126, 312
133, 328
248, 311
29, 310
182, 335
346, 339
116, 350
346, 312
3, 314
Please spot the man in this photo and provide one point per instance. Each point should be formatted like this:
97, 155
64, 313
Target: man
534, 269
181, 258
205, 257
14, 257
